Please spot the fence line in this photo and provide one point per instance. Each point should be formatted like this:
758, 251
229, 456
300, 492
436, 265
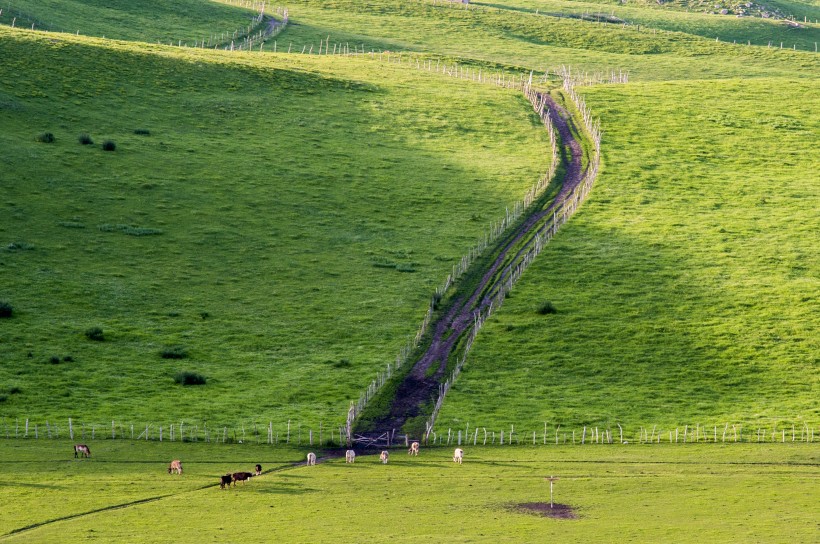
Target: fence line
335, 436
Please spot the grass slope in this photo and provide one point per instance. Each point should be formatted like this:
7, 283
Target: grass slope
284, 223
538, 42
139, 20
687, 285
647, 494
726, 28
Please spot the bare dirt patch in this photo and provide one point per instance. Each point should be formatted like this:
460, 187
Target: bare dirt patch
557, 511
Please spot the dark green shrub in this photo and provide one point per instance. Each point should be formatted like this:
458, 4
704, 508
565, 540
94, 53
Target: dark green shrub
54, 360
4, 398
174, 352
204, 315
5, 309
109, 145
142, 131
19, 246
46, 138
14, 390
342, 363
546, 308
68, 359
189, 378
85, 139
95, 333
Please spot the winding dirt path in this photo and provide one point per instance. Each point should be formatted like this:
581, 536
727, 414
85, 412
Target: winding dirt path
421, 386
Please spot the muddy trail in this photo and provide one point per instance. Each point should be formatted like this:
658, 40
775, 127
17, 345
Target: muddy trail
420, 387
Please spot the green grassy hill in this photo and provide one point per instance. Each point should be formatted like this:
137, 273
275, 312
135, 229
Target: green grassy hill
686, 288
283, 223
280, 221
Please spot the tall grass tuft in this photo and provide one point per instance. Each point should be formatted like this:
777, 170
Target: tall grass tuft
109, 145
189, 378
85, 139
45, 137
6, 309
174, 352
95, 334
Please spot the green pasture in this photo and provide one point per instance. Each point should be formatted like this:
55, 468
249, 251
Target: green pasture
686, 286
726, 28
42, 481
139, 20
508, 37
280, 227
660, 45
694, 493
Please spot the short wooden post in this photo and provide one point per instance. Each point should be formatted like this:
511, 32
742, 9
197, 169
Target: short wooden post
551, 480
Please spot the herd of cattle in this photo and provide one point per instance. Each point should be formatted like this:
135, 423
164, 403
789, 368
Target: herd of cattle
225, 481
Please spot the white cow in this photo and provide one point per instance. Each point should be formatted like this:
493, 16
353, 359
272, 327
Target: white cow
384, 456
458, 455
350, 456
414, 449
311, 459
175, 467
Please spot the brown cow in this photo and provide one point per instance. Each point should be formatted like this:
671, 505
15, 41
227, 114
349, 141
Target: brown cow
258, 470
241, 477
414, 449
81, 449
175, 466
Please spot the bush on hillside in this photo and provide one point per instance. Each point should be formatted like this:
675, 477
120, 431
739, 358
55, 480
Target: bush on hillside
174, 352
142, 131
5, 309
95, 333
546, 308
46, 138
85, 139
190, 378
54, 359
109, 145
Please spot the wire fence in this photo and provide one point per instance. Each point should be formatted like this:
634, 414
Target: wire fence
291, 433
593, 435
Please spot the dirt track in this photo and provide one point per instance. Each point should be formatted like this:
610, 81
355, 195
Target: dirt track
421, 386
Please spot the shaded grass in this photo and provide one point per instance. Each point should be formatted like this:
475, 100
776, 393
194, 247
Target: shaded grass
686, 283
268, 187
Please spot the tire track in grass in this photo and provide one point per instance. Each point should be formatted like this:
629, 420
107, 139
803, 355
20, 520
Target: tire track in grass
421, 384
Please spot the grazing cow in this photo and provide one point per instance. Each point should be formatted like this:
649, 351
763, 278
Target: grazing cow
350, 456
258, 470
311, 459
458, 455
175, 466
414, 449
241, 477
225, 481
384, 456
81, 449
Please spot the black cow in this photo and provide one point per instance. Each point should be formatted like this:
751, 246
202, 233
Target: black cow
226, 480
258, 470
